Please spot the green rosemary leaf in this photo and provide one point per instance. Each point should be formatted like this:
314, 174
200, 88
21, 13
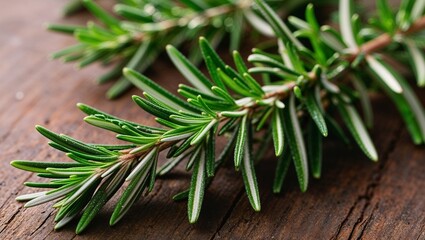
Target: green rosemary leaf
77, 171
191, 73
72, 7
293, 58
68, 50
210, 154
205, 106
102, 123
236, 31
197, 5
254, 86
209, 52
213, 73
50, 175
68, 29
153, 173
314, 150
67, 143
417, 10
195, 92
197, 188
410, 108
111, 169
184, 146
191, 120
268, 71
113, 147
331, 87
299, 23
296, 143
30, 196
40, 167
43, 185
233, 84
386, 15
311, 18
277, 132
156, 91
249, 178
91, 58
318, 48
93, 111
234, 114
331, 38
345, 23
223, 94
357, 129
264, 117
101, 14
280, 29
49, 197
403, 16
79, 159
260, 58
258, 24
239, 62
137, 139
384, 74
282, 167
132, 13
100, 158
153, 108
315, 112
83, 147
417, 59
241, 141
183, 195
180, 133
203, 132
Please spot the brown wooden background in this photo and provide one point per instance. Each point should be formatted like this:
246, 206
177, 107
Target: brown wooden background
354, 199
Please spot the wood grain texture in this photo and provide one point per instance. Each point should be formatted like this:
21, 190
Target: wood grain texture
355, 198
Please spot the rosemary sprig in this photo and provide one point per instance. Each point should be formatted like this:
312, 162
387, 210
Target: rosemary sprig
145, 27
315, 72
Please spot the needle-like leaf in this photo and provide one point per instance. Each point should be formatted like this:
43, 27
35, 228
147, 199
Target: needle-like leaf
250, 180
296, 143
197, 188
357, 129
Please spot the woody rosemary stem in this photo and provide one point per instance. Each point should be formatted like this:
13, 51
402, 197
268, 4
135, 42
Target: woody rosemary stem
197, 17
385, 39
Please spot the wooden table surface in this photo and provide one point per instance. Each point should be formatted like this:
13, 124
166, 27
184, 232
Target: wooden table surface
354, 199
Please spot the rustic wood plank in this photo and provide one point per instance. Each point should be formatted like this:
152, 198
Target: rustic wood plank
354, 199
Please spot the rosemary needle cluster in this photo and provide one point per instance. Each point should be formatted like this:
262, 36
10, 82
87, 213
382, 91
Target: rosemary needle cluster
316, 73
147, 26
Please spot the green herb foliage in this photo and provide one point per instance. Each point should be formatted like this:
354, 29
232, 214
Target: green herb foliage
316, 70
142, 28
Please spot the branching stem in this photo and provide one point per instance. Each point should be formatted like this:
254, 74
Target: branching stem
385, 39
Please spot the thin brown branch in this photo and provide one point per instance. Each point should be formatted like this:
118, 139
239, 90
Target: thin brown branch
386, 39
